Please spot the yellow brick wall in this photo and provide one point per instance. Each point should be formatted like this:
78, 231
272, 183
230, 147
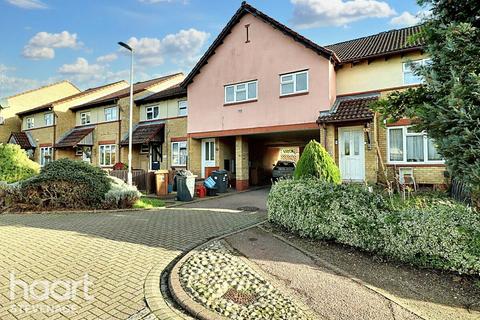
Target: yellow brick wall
43, 136
195, 156
174, 128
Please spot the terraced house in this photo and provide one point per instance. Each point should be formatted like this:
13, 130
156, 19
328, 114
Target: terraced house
261, 86
10, 106
100, 131
43, 125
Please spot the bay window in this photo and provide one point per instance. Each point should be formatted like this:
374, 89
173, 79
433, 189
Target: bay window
245, 91
407, 146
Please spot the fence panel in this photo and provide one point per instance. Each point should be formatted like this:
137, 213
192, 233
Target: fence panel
460, 191
139, 177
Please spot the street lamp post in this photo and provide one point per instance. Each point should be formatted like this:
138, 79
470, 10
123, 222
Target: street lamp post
130, 118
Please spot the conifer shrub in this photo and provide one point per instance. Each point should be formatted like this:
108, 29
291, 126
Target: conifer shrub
316, 162
15, 164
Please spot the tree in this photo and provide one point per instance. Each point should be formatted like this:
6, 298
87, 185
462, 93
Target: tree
447, 106
15, 164
316, 162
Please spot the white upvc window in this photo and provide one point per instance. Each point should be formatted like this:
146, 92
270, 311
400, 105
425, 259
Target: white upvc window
179, 153
110, 113
46, 154
295, 82
409, 77
182, 108
107, 154
405, 146
85, 118
153, 112
48, 119
245, 91
30, 122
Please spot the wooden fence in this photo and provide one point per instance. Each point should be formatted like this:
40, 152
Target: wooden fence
460, 191
144, 181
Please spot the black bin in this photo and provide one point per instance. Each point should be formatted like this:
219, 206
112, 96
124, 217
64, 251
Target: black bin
185, 187
221, 180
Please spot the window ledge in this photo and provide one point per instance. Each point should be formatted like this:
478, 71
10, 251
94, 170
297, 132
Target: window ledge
239, 102
413, 164
293, 94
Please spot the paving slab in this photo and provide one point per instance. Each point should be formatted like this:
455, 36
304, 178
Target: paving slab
329, 294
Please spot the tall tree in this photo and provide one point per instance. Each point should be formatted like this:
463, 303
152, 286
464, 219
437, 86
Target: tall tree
447, 106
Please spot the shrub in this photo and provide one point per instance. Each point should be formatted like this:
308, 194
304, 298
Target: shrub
15, 164
316, 209
316, 162
443, 235
120, 195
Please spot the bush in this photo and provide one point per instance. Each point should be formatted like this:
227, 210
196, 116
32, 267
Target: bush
15, 164
120, 195
444, 235
89, 184
316, 162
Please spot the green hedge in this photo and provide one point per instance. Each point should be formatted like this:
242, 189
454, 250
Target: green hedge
444, 236
15, 164
316, 162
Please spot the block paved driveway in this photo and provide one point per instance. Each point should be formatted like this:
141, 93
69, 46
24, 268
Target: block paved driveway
115, 250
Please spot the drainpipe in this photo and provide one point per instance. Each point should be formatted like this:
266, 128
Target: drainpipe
55, 117
119, 132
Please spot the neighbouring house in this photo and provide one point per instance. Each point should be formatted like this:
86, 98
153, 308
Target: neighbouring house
43, 125
164, 112
10, 106
102, 124
260, 87
365, 149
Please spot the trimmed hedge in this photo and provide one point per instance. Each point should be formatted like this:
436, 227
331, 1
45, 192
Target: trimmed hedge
15, 164
316, 162
445, 236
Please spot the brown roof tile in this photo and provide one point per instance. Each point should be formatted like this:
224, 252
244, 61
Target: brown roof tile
350, 108
381, 44
175, 91
72, 138
145, 133
22, 139
49, 106
111, 98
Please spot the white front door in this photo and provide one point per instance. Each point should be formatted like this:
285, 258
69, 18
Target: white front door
352, 153
208, 154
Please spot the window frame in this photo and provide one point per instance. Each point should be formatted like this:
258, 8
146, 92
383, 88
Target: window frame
235, 90
179, 144
109, 109
101, 159
49, 114
30, 124
142, 151
294, 81
405, 134
43, 161
82, 118
406, 64
180, 114
152, 108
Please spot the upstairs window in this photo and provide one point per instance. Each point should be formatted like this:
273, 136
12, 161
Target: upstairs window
409, 77
407, 146
245, 91
48, 119
291, 83
85, 118
110, 114
152, 112
30, 122
182, 108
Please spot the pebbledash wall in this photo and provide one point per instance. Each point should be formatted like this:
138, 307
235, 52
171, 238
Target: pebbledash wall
382, 76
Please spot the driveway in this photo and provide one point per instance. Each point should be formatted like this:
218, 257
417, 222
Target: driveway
93, 266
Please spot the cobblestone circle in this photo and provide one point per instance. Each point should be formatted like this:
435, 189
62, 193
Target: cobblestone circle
214, 272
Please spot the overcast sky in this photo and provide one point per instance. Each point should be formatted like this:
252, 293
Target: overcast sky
43, 41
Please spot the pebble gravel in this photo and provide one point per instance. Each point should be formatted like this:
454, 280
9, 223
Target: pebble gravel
214, 270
